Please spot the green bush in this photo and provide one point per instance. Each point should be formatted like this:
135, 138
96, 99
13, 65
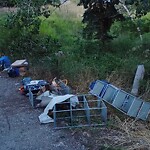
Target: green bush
62, 29
144, 23
4, 34
8, 3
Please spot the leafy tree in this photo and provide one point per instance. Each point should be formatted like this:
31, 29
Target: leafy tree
8, 3
100, 15
27, 15
24, 25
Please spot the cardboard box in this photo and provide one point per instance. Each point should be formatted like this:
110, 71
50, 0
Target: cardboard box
20, 63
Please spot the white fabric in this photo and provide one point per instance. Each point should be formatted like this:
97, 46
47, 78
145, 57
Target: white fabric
74, 101
44, 118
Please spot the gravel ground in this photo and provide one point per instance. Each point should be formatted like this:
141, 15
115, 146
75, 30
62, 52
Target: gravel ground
20, 128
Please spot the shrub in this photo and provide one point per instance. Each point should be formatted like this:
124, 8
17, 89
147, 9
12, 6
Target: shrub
8, 3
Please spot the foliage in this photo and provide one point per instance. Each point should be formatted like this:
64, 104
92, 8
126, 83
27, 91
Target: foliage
145, 23
8, 3
100, 15
12, 3
62, 29
130, 27
4, 34
27, 16
141, 6
33, 46
23, 25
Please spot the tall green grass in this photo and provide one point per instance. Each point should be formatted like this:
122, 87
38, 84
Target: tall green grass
4, 33
64, 30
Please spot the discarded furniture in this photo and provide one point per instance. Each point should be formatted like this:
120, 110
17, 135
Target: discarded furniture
31, 98
45, 117
73, 111
40, 90
89, 112
33, 85
121, 100
22, 65
41, 100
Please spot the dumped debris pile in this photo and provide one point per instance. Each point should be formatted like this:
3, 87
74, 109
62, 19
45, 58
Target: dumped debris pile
57, 98
18, 68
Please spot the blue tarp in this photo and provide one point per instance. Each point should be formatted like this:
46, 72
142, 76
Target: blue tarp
5, 62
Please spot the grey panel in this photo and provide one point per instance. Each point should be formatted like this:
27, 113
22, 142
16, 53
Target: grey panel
82, 115
110, 94
31, 99
119, 99
98, 88
127, 103
135, 107
87, 110
144, 111
104, 112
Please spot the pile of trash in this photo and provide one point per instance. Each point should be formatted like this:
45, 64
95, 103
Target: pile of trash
57, 99
17, 68
42, 88
44, 94
61, 104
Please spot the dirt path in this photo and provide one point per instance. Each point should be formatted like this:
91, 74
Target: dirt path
19, 125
